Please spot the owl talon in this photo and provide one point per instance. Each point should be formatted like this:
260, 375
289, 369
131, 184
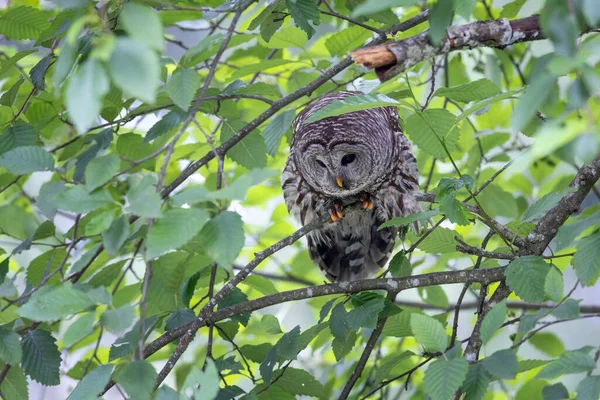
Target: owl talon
335, 211
367, 201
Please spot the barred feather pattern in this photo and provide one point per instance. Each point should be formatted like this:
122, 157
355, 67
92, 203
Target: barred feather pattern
353, 247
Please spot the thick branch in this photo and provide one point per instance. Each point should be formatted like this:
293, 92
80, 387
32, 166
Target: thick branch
393, 58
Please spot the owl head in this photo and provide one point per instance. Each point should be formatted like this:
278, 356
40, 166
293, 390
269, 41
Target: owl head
347, 154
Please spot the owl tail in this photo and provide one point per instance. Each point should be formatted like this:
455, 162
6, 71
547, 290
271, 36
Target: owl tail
352, 258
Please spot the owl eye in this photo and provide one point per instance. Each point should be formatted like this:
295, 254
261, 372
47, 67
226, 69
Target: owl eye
348, 159
321, 163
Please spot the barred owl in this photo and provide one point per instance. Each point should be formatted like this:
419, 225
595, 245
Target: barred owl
360, 157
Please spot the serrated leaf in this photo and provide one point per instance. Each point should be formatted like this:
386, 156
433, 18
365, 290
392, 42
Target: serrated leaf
511, 9
366, 314
17, 136
14, 385
85, 92
400, 266
116, 235
342, 347
444, 377
300, 383
502, 364
182, 87
429, 332
287, 346
250, 152
9, 97
304, 11
288, 37
339, 323
10, 346
78, 200
441, 240
349, 104
222, 238
167, 123
493, 321
588, 388
100, 170
275, 130
430, 128
554, 284
472, 91
567, 310
477, 382
440, 18
174, 229
266, 366
137, 379
455, 211
41, 358
143, 24
118, 320
348, 39
409, 219
528, 365
92, 384
20, 23
270, 324
389, 362
55, 303
143, 198
526, 277
80, 328
134, 68
587, 259
27, 159
570, 362
203, 384
543, 205
398, 325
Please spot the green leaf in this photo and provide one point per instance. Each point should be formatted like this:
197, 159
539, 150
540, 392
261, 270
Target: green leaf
143, 24
135, 69
92, 384
85, 91
434, 295
587, 259
441, 240
304, 11
165, 125
472, 91
26, 159
502, 364
440, 18
118, 320
9, 97
287, 346
137, 379
55, 303
17, 136
400, 266
554, 285
20, 23
10, 346
366, 314
532, 100
182, 87
266, 366
390, 362
563, 37
588, 388
454, 210
570, 362
45, 198
78, 200
348, 39
511, 9
558, 391
80, 328
543, 205
174, 229
429, 332
568, 233
409, 219
100, 170
350, 104
431, 130
169, 273
270, 324
288, 37
116, 235
477, 382
341, 348
493, 321
548, 343
528, 365
339, 323
374, 6
14, 386
208, 381
276, 129
526, 276
300, 383
222, 238
250, 152
41, 358
143, 198
567, 310
465, 8
444, 377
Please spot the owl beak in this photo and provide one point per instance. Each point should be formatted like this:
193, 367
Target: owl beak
339, 181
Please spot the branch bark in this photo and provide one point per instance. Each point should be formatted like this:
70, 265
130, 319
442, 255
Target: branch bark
393, 58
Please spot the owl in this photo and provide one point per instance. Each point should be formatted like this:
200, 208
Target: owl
357, 167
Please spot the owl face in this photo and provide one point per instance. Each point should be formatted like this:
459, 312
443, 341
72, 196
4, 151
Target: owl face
338, 168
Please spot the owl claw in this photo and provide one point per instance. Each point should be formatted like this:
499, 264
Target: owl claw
367, 201
335, 211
